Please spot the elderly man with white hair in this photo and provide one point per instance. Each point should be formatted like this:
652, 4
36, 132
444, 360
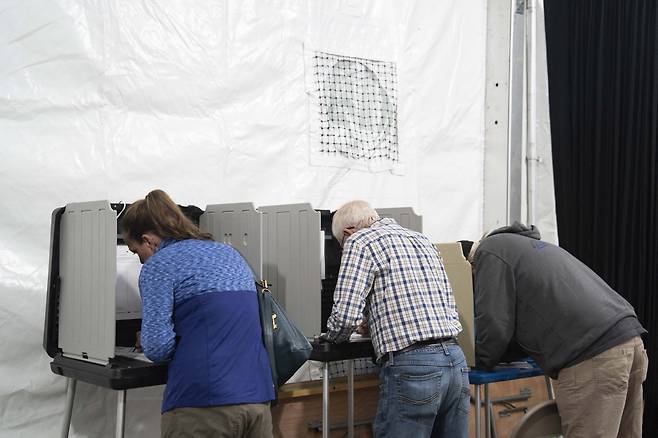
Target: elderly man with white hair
393, 280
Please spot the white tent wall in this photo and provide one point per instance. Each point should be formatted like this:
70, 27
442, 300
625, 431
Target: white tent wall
208, 101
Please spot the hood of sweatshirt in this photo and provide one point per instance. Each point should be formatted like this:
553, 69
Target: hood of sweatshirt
518, 228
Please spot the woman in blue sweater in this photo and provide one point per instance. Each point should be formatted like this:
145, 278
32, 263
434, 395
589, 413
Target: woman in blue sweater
199, 314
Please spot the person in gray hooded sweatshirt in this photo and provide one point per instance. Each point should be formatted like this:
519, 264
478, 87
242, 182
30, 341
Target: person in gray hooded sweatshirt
536, 296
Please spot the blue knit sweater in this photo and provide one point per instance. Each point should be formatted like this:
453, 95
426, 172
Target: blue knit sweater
200, 313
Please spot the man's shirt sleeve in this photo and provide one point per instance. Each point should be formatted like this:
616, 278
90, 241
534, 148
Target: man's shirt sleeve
495, 310
355, 279
156, 288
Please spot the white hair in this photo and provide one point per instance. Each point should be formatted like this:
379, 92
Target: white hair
357, 214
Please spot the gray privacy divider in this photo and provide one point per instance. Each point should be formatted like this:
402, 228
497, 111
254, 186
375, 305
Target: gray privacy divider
404, 216
292, 260
88, 275
238, 225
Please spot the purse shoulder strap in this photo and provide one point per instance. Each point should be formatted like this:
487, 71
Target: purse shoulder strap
266, 322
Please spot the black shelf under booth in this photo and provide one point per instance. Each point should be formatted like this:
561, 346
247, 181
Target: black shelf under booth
324, 351
121, 373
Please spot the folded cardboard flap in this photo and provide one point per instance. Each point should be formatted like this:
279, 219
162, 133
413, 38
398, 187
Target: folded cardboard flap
461, 279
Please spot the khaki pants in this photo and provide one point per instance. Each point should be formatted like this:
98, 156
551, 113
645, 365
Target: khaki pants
232, 421
602, 396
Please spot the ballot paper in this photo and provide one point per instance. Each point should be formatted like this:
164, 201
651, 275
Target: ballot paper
131, 353
128, 301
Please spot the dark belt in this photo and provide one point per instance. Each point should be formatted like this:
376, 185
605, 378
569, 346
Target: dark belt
450, 340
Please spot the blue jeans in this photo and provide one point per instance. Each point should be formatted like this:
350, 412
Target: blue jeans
424, 393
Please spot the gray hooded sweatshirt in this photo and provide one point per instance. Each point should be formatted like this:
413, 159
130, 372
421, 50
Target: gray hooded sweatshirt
541, 297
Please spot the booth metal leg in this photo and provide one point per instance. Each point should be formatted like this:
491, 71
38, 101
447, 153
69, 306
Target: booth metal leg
121, 413
68, 410
487, 412
350, 398
549, 388
325, 400
478, 405
492, 426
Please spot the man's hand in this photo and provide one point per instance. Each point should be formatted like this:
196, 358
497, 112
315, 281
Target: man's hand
363, 329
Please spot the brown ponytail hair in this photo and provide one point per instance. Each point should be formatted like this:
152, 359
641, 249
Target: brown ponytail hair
158, 214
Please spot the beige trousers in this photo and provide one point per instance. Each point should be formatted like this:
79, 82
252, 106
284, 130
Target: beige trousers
602, 396
232, 421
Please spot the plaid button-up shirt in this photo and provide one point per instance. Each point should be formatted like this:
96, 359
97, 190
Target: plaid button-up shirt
395, 279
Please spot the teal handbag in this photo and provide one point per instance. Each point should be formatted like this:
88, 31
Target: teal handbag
286, 346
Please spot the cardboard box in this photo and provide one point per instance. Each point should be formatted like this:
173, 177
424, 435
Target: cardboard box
461, 279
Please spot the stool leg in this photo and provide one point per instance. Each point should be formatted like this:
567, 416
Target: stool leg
487, 411
68, 410
325, 400
121, 413
478, 405
494, 434
549, 388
